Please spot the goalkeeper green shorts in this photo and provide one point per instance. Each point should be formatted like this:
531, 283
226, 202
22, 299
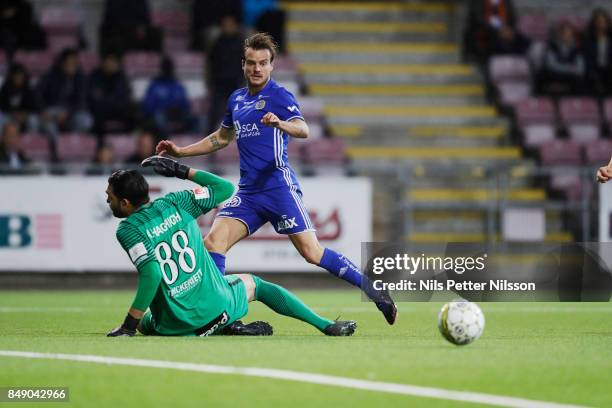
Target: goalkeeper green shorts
237, 307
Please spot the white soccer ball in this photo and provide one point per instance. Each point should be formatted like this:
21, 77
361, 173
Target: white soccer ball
461, 322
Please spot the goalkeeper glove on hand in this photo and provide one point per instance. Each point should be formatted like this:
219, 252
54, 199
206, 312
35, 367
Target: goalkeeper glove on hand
127, 329
166, 166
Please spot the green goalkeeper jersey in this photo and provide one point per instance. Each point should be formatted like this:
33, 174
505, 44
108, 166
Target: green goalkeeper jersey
192, 292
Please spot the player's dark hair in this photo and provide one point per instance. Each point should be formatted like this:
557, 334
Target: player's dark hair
260, 41
131, 185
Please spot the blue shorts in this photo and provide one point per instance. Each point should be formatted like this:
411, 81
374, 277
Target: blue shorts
282, 207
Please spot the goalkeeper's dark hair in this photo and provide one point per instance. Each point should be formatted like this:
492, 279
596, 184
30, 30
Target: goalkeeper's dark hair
260, 41
131, 185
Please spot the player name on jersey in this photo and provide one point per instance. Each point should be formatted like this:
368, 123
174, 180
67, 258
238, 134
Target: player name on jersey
168, 223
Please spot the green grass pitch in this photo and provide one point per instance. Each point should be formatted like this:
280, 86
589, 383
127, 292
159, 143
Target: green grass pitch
542, 351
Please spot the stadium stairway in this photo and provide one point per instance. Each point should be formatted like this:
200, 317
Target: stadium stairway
390, 76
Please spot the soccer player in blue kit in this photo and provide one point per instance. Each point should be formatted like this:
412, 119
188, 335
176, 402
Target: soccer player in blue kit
261, 117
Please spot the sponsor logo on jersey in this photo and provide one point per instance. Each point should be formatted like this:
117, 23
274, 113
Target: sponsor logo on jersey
239, 98
260, 104
292, 108
137, 251
213, 326
234, 202
201, 193
186, 286
286, 223
164, 226
245, 130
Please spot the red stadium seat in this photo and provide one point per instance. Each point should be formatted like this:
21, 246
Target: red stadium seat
512, 92
581, 118
325, 151
141, 64
123, 145
35, 146
508, 67
534, 26
597, 152
37, 62
59, 20
171, 21
535, 111
57, 42
74, 147
188, 64
557, 152
536, 135
607, 112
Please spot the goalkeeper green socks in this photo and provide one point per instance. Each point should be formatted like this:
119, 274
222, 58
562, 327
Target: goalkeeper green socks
286, 303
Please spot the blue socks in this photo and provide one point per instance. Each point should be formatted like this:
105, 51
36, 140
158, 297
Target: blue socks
340, 266
219, 260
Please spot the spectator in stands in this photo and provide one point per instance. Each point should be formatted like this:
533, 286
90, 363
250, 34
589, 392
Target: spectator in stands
564, 68
12, 156
110, 97
127, 26
510, 41
266, 17
166, 104
17, 99
206, 16
63, 95
145, 147
223, 69
485, 19
18, 29
598, 52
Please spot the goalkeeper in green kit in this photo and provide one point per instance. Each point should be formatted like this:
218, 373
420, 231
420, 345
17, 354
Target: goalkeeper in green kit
177, 279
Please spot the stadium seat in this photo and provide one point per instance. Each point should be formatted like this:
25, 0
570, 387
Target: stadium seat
325, 151
123, 145
581, 118
57, 42
141, 64
512, 92
534, 26
74, 147
171, 21
3, 62
188, 64
311, 108
607, 112
173, 43
508, 67
89, 60
597, 152
36, 146
60, 20
37, 62
560, 152
535, 119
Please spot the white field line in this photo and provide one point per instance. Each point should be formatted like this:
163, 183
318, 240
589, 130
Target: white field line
505, 309
312, 378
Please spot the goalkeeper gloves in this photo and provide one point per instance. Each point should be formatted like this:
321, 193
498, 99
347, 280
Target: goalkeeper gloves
127, 329
166, 166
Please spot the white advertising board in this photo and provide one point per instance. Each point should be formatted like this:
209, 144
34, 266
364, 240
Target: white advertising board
64, 224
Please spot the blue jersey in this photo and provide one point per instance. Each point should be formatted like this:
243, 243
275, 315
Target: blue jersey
264, 163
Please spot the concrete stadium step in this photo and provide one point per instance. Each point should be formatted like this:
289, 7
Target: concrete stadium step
428, 153
468, 221
400, 100
423, 238
495, 131
445, 57
473, 196
389, 90
387, 115
367, 11
379, 31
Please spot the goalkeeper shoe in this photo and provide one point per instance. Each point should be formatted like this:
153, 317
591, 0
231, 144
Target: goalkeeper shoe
238, 328
341, 328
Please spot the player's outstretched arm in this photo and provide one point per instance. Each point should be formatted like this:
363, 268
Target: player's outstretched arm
605, 173
149, 278
211, 143
168, 167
